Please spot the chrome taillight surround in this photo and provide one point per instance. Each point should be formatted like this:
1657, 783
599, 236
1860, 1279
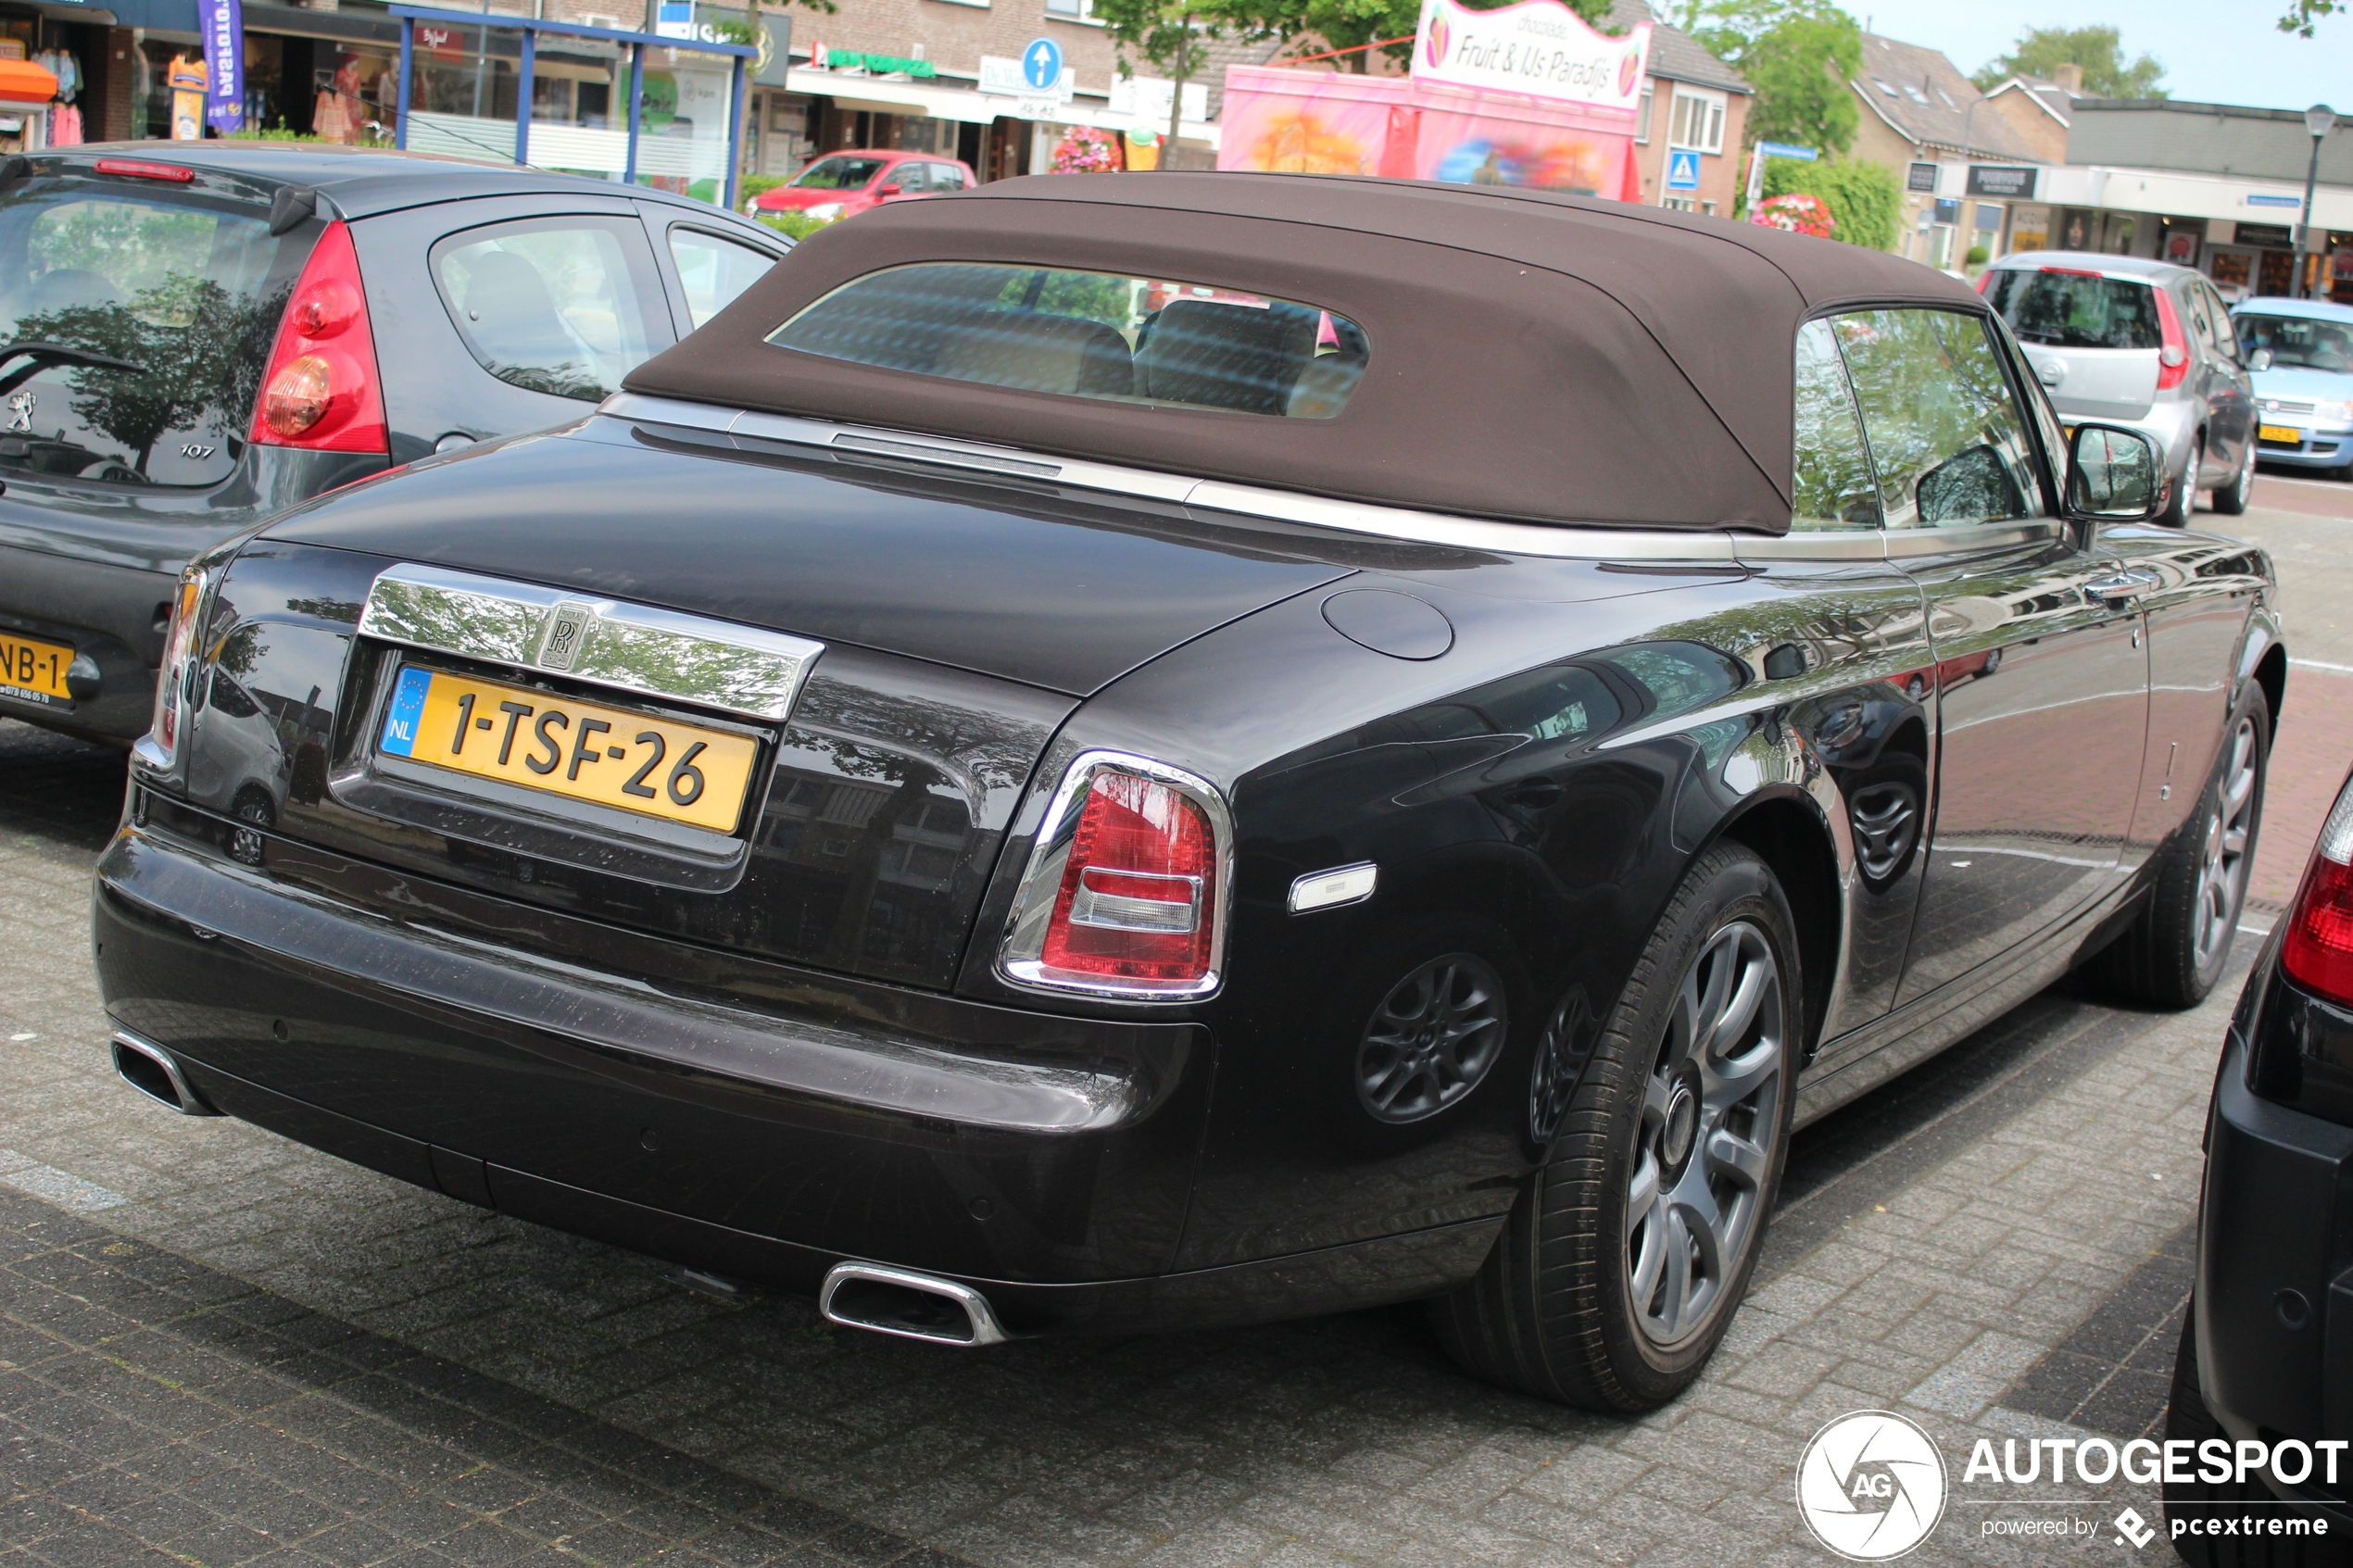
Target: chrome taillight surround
1020, 953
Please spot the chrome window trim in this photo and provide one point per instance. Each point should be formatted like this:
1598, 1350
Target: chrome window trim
1020, 949
1551, 541
609, 643
1566, 542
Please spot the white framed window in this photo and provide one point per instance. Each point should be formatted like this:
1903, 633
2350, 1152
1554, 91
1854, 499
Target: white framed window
1679, 204
1696, 121
1072, 11
1642, 119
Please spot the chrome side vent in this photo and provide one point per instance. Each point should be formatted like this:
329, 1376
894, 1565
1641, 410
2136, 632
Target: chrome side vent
909, 1306
149, 1068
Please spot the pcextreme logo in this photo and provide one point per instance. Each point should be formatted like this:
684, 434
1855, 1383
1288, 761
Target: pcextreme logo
1871, 1486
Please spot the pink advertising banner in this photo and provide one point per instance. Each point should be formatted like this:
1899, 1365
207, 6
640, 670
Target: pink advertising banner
1319, 122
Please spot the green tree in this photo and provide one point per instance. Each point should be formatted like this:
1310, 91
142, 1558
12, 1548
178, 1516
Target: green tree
1800, 70
2303, 13
1171, 34
1799, 55
2099, 50
1865, 197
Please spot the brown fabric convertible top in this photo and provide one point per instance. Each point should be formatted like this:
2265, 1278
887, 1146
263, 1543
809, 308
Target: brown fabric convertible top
1533, 357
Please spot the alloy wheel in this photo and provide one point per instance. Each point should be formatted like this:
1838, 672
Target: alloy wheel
1711, 1117
1886, 818
2230, 822
1432, 1039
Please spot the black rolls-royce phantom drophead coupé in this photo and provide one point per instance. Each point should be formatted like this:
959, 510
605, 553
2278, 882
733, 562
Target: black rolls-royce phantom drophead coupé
1102, 754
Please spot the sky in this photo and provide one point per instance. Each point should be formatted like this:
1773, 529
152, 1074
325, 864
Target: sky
2213, 51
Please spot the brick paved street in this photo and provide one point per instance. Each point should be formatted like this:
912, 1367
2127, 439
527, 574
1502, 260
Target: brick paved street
225, 1346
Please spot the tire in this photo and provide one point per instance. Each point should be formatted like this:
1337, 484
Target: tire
1629, 1247
2177, 512
2171, 956
2230, 499
2187, 1418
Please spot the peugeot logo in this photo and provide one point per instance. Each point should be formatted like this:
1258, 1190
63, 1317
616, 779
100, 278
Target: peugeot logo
20, 412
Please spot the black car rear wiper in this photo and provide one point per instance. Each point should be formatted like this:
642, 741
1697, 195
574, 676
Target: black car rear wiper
56, 353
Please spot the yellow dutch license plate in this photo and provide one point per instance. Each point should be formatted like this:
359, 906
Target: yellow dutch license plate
32, 671
562, 746
2288, 434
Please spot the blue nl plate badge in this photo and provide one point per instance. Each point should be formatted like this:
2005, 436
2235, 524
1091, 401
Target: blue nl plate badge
407, 710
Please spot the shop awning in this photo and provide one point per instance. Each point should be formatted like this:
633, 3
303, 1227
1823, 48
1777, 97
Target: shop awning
21, 81
936, 100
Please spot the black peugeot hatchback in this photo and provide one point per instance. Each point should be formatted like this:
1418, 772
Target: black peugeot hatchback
2266, 1362
194, 335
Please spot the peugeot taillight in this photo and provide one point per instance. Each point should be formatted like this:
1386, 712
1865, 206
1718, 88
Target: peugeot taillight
2318, 952
161, 746
2173, 358
1125, 894
322, 390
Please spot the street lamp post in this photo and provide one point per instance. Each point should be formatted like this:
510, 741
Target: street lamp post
2318, 120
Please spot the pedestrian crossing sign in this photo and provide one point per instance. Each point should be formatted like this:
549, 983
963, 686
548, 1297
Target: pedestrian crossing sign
1683, 171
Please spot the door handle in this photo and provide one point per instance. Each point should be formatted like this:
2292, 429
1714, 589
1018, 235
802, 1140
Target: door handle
2119, 587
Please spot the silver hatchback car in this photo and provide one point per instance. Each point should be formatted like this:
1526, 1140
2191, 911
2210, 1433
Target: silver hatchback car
2144, 343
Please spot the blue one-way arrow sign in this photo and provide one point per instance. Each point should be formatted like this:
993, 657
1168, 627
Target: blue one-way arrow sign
1042, 65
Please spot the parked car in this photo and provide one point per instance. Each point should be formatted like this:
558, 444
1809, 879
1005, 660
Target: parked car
201, 334
2301, 353
1189, 762
2145, 344
2262, 1354
846, 183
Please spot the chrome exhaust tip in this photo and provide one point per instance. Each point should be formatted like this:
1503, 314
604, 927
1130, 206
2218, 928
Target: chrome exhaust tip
149, 1068
909, 1306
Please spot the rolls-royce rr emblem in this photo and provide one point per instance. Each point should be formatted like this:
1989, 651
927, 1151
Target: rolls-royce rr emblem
566, 630
20, 412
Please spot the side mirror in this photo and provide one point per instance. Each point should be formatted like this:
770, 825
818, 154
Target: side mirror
2113, 475
2262, 360
889, 191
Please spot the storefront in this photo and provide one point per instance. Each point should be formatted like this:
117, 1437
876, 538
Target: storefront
47, 56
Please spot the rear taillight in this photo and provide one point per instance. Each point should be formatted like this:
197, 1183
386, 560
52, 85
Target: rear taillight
2318, 952
165, 729
2173, 358
1124, 894
1984, 279
322, 391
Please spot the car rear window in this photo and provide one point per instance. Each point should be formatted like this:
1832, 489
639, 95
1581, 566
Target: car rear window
837, 173
186, 288
2298, 342
1090, 335
2076, 309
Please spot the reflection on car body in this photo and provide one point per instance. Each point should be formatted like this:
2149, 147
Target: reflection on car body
1235, 859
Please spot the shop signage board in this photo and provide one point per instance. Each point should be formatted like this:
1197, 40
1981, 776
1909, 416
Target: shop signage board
1538, 47
2262, 234
675, 18
1142, 103
1005, 74
1991, 179
1920, 177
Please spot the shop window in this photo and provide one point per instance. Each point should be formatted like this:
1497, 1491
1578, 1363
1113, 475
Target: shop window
562, 306
1642, 118
713, 271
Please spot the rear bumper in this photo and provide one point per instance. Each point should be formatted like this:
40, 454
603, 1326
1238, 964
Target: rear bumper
106, 612
2274, 1289
1047, 1161
2318, 450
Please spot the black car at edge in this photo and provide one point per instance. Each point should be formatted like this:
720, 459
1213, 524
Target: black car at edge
199, 334
1104, 754
2267, 1353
